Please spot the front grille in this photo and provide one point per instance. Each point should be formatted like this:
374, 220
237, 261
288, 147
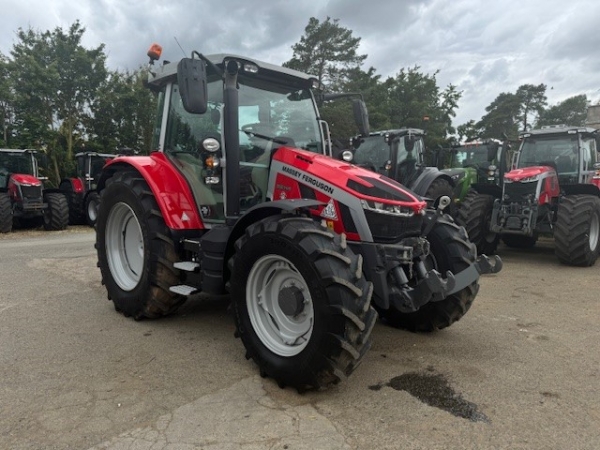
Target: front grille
519, 192
31, 192
387, 228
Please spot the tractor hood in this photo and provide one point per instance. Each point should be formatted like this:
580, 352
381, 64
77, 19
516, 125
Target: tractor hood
25, 180
326, 174
517, 175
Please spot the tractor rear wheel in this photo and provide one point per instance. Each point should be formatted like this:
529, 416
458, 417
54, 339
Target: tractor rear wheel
438, 188
519, 241
6, 213
135, 251
450, 250
56, 214
302, 306
92, 202
475, 214
577, 230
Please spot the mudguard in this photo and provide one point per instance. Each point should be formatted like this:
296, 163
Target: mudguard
170, 188
424, 180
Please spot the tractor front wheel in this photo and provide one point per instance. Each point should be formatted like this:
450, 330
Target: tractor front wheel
302, 306
135, 252
475, 214
75, 202
450, 250
92, 203
56, 214
577, 230
6, 213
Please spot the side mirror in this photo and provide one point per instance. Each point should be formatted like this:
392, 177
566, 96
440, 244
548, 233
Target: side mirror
191, 78
361, 116
492, 152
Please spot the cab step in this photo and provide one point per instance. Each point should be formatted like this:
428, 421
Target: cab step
187, 266
184, 289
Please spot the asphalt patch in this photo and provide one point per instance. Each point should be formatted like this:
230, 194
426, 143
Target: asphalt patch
434, 390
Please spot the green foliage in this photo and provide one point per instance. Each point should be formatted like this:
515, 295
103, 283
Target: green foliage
572, 111
328, 51
58, 97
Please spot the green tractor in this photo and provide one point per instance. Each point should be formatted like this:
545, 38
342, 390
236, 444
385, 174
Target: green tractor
472, 162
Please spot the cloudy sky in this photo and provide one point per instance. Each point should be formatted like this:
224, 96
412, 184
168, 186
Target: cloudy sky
483, 47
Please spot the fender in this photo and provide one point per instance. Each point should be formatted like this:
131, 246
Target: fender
574, 189
429, 175
261, 211
76, 184
488, 189
170, 188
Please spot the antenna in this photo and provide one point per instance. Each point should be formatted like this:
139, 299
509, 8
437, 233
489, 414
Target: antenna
184, 53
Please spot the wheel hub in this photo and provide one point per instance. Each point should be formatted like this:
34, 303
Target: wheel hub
291, 300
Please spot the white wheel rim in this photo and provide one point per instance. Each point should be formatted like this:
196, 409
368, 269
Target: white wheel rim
93, 210
284, 333
594, 232
124, 246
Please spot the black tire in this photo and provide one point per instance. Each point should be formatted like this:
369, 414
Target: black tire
56, 214
475, 214
137, 281
519, 241
92, 203
577, 230
450, 250
75, 201
330, 277
6, 213
438, 188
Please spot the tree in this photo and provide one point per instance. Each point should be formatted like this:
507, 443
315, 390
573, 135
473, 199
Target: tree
414, 99
572, 111
6, 100
328, 51
533, 100
122, 113
503, 116
54, 79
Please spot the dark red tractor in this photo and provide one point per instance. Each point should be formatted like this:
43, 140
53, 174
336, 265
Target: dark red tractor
81, 190
552, 190
243, 197
24, 201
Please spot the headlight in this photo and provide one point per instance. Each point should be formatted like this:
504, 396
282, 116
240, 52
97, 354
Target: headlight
211, 145
386, 208
530, 179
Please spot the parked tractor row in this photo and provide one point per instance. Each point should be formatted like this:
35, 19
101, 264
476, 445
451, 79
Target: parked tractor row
553, 189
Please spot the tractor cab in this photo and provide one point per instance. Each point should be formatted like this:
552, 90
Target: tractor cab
275, 108
397, 154
570, 151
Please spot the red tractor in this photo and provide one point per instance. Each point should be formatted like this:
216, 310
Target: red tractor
242, 197
81, 190
553, 190
23, 199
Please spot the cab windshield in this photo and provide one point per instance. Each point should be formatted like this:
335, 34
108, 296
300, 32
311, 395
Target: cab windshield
373, 152
470, 156
561, 153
